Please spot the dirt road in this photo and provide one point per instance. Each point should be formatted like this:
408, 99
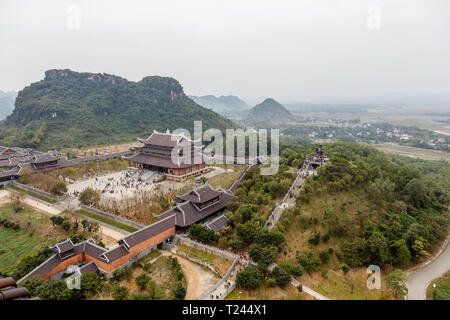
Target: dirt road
199, 279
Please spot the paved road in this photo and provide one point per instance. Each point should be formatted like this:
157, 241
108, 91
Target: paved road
419, 280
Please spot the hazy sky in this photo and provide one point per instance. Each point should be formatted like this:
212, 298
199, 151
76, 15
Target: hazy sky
284, 49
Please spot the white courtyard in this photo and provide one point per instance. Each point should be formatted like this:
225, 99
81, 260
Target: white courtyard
126, 183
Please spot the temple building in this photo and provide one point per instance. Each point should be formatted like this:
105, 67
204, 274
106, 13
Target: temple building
14, 159
196, 206
163, 152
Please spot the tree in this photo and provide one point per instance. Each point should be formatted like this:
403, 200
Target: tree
69, 172
54, 289
89, 197
203, 234
402, 255
66, 225
282, 277
309, 262
250, 278
32, 285
324, 256
28, 263
90, 283
180, 292
59, 188
245, 213
142, 281
57, 220
420, 247
270, 238
418, 193
25, 175
16, 201
396, 281
119, 293
378, 248
264, 256
249, 230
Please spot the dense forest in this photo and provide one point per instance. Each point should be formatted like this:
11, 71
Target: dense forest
71, 109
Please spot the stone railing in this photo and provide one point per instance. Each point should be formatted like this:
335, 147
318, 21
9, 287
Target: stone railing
208, 293
279, 203
37, 191
212, 250
120, 219
197, 260
241, 177
81, 216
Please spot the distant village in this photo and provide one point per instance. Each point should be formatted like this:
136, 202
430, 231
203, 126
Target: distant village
354, 130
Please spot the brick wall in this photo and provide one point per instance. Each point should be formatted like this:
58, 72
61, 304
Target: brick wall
109, 267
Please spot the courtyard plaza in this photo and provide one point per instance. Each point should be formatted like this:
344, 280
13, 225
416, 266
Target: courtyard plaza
128, 183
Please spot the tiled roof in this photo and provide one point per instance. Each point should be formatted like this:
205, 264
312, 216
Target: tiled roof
201, 194
164, 162
188, 213
63, 246
89, 267
218, 223
10, 173
115, 253
88, 247
143, 234
163, 139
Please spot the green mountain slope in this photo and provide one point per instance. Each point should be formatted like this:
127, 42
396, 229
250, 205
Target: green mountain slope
71, 109
269, 110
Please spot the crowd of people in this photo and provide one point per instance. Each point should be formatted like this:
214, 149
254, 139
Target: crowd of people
125, 183
239, 266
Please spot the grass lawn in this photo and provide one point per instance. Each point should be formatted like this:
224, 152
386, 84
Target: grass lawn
35, 232
106, 220
220, 263
351, 286
298, 234
442, 289
33, 194
269, 293
335, 285
225, 180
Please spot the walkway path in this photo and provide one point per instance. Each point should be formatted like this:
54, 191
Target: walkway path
56, 209
306, 289
419, 280
227, 286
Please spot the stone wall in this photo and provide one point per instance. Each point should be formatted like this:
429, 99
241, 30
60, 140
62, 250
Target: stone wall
120, 219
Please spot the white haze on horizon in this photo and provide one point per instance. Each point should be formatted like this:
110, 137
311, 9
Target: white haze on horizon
283, 49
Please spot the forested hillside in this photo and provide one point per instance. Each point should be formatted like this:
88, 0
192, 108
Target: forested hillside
371, 208
71, 109
269, 110
363, 208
